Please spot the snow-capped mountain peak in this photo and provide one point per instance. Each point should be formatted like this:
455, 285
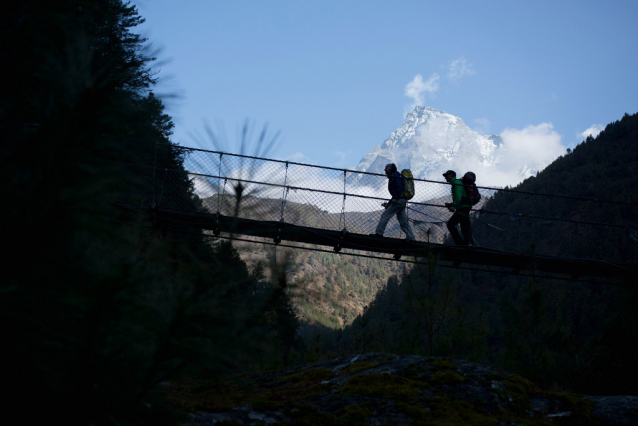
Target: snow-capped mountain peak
429, 142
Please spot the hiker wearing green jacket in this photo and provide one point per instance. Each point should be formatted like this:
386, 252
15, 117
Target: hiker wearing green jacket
461, 211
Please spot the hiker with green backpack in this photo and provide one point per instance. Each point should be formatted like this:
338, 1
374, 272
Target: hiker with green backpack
464, 196
401, 187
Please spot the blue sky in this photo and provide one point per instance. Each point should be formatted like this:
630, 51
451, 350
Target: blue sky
334, 77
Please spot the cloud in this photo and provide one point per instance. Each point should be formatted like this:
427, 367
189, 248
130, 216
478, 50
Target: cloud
342, 156
533, 143
522, 153
297, 156
417, 88
482, 125
593, 130
460, 68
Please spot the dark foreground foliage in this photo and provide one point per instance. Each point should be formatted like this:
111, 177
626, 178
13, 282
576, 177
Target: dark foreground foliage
97, 304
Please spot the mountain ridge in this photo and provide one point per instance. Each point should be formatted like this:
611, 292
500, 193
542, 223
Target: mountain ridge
430, 141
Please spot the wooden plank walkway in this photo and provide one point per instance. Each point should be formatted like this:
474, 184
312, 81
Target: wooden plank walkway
338, 240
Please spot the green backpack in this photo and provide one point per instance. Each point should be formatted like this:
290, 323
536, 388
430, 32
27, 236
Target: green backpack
408, 183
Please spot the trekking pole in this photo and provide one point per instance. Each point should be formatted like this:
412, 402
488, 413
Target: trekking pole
425, 214
442, 221
483, 222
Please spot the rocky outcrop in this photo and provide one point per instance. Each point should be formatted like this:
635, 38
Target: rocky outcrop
378, 389
617, 410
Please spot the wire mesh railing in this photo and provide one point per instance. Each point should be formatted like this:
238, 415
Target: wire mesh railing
336, 199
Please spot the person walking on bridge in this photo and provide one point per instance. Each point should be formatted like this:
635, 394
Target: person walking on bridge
461, 211
396, 205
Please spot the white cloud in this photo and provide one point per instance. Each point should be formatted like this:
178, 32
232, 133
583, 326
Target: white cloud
460, 68
297, 156
523, 153
417, 88
482, 125
533, 143
593, 130
342, 156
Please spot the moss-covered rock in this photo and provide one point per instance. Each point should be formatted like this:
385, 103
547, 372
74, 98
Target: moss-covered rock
379, 389
381, 386
446, 377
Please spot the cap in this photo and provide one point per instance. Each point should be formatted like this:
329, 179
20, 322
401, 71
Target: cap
449, 172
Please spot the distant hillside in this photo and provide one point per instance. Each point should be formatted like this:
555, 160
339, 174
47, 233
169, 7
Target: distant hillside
599, 168
329, 289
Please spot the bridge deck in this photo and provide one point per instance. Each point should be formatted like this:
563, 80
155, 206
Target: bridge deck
338, 240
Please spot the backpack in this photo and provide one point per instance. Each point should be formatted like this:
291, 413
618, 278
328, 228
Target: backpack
472, 196
408, 183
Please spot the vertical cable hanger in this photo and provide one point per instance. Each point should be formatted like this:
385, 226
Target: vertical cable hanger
342, 217
219, 184
216, 231
284, 196
343, 204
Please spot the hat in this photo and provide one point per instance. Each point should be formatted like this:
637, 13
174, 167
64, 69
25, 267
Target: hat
449, 172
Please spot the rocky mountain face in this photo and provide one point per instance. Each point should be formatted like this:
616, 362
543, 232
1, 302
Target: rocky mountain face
375, 389
430, 141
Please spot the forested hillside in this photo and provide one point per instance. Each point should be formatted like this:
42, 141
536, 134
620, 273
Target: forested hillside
571, 335
98, 304
329, 290
601, 168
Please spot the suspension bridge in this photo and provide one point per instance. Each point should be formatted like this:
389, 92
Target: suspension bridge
292, 204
